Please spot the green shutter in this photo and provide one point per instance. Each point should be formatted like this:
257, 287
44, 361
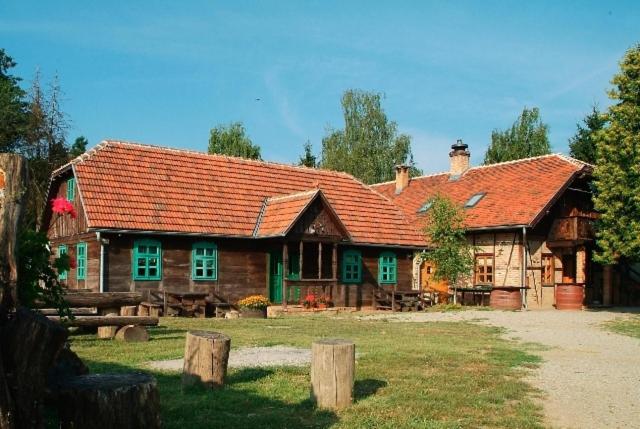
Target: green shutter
62, 250
71, 189
147, 260
81, 261
352, 266
387, 268
294, 266
204, 261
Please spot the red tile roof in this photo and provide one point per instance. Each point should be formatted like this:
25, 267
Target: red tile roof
280, 213
128, 186
517, 193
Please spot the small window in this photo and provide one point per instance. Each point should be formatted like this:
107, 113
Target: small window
547, 270
352, 266
475, 199
484, 270
147, 260
71, 189
62, 250
204, 261
81, 261
425, 207
387, 268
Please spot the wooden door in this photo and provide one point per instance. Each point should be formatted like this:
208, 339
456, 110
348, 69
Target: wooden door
275, 277
427, 280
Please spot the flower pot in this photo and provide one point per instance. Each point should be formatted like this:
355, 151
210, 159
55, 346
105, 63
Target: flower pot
253, 313
322, 306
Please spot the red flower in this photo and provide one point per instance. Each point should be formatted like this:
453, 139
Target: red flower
62, 206
310, 298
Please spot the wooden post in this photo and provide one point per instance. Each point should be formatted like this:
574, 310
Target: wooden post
301, 251
206, 355
285, 273
108, 331
333, 373
128, 310
334, 262
13, 182
319, 260
607, 279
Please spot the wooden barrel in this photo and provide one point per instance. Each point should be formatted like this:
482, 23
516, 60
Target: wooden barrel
569, 296
506, 298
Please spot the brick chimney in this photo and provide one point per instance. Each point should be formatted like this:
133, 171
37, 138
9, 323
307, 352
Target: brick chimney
402, 177
459, 155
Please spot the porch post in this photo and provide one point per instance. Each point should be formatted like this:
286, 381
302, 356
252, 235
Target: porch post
581, 265
285, 273
319, 260
300, 255
334, 262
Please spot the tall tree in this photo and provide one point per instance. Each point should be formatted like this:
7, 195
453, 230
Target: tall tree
232, 140
79, 147
369, 146
527, 137
452, 254
308, 159
13, 106
617, 171
582, 145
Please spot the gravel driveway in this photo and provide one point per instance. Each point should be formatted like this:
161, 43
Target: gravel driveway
590, 376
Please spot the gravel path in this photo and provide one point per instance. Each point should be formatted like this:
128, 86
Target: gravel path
590, 376
251, 357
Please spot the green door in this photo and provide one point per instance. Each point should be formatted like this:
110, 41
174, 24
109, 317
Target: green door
275, 278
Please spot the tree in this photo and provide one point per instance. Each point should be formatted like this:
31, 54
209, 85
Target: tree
527, 137
582, 145
445, 232
617, 170
13, 106
232, 140
369, 146
79, 147
308, 159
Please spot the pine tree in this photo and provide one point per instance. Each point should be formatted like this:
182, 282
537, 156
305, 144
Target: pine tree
617, 171
582, 145
13, 106
79, 147
308, 159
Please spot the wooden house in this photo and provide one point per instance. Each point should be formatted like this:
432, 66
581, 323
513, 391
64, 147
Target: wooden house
154, 219
530, 222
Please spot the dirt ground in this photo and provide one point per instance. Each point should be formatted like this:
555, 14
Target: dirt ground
590, 377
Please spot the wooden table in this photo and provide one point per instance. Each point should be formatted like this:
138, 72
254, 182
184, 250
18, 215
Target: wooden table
482, 291
409, 299
185, 303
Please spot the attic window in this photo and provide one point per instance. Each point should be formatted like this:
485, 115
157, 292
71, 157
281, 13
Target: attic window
475, 199
425, 207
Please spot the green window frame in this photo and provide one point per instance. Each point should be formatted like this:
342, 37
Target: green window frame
352, 266
62, 250
147, 260
81, 261
387, 268
71, 189
204, 261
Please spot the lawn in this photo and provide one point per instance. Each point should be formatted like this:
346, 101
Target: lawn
408, 375
629, 326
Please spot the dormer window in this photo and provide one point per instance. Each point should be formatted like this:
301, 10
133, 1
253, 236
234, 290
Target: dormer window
425, 207
475, 199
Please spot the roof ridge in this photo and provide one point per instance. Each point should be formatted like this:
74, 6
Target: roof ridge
217, 155
424, 176
292, 195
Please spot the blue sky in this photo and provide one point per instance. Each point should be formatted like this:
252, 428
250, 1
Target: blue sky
165, 72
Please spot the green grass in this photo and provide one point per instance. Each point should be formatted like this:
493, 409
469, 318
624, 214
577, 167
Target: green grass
408, 375
630, 327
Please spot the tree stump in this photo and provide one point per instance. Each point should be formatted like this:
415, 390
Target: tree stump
108, 331
132, 334
332, 373
128, 310
206, 355
105, 401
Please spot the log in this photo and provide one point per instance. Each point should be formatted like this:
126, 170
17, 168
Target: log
100, 299
84, 311
93, 321
105, 401
132, 334
332, 373
30, 345
108, 332
128, 310
206, 355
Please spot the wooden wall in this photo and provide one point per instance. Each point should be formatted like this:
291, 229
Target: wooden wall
65, 226
92, 277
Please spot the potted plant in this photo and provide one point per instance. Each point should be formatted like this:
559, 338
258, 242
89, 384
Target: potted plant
253, 306
324, 301
309, 301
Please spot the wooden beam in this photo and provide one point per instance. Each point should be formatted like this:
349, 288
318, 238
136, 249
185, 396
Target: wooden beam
301, 251
285, 273
99, 300
94, 321
319, 259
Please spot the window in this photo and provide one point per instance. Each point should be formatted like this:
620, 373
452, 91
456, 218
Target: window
547, 269
475, 199
425, 207
484, 270
387, 268
62, 250
81, 261
147, 260
71, 189
204, 261
352, 266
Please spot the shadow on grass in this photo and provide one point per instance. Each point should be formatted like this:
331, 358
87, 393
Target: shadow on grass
367, 387
244, 401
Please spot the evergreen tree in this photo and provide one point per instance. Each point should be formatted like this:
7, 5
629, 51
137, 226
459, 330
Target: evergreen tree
527, 137
582, 145
308, 159
232, 140
13, 106
617, 171
79, 147
369, 146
